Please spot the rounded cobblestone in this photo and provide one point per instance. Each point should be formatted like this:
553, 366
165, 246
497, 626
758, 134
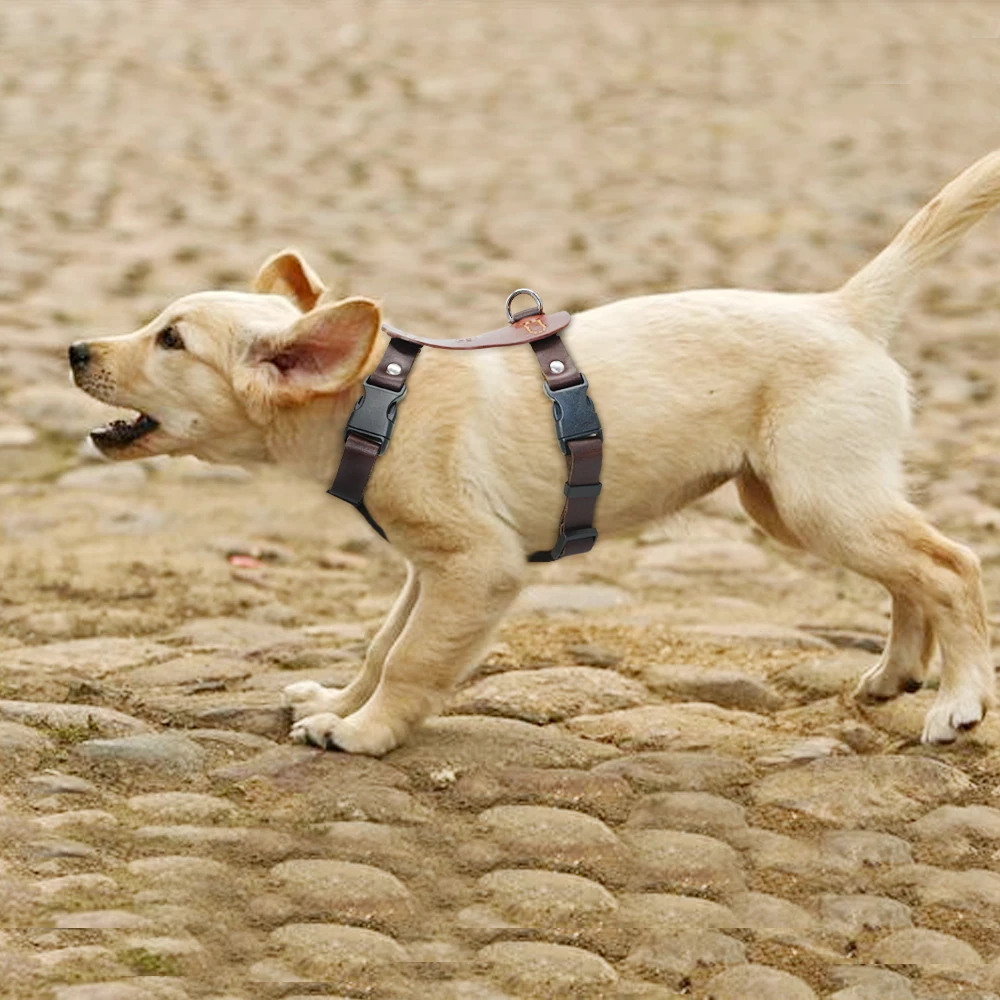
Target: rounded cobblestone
662, 911
379, 844
928, 950
93, 961
549, 694
546, 899
865, 982
853, 915
674, 958
104, 991
169, 752
182, 807
543, 837
89, 885
350, 892
695, 812
548, 970
688, 726
685, 863
175, 871
339, 954
606, 796
862, 790
667, 770
771, 915
972, 889
864, 849
755, 982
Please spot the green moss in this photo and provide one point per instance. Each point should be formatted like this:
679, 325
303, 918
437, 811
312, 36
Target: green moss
70, 735
148, 963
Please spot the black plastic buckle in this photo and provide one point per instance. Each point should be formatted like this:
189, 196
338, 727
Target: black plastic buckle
574, 413
586, 492
572, 536
374, 414
577, 535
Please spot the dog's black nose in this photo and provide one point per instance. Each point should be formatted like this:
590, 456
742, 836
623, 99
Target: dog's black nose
79, 355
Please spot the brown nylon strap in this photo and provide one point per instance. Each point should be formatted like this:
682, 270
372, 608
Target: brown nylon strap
361, 453
401, 353
583, 458
550, 350
584, 462
355, 469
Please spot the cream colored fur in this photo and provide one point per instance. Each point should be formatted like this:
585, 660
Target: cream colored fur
793, 396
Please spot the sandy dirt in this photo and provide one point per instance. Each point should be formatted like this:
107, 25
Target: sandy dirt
713, 801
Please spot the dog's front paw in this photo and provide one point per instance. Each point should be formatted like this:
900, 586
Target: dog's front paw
301, 691
317, 730
308, 698
331, 732
953, 714
883, 682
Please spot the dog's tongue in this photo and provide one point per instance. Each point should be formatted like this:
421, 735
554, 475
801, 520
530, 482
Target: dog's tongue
119, 433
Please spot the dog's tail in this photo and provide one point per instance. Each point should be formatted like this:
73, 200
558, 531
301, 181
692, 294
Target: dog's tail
875, 295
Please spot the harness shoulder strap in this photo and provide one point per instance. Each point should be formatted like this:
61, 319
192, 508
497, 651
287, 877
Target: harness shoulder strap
370, 425
577, 425
582, 441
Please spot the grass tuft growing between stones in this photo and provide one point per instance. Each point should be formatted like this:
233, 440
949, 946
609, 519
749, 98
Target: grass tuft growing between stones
73, 733
148, 963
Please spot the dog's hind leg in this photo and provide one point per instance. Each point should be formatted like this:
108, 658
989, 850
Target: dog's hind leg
309, 698
462, 596
758, 502
904, 664
860, 522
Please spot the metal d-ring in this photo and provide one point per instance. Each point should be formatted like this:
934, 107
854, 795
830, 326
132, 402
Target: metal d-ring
522, 291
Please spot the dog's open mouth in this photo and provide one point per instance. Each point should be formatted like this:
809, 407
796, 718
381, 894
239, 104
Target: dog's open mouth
120, 433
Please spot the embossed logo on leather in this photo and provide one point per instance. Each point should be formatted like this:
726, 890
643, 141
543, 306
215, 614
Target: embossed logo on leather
534, 324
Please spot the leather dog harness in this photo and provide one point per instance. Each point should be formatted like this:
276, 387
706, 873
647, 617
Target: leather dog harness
577, 425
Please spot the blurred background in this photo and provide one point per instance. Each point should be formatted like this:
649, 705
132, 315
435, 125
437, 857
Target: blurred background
435, 156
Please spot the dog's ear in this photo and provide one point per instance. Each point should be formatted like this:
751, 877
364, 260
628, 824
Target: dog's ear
322, 353
286, 273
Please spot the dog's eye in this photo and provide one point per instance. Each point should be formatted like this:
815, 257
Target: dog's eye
170, 340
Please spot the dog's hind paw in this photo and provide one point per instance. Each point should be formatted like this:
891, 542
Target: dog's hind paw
953, 714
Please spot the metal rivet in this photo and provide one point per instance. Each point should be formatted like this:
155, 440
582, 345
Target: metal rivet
394, 369
556, 367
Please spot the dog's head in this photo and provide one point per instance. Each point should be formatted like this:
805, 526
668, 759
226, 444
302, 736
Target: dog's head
209, 374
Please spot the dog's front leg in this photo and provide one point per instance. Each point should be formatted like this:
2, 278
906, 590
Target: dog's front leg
309, 698
461, 599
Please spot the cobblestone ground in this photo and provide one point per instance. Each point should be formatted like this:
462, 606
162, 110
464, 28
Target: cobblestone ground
656, 783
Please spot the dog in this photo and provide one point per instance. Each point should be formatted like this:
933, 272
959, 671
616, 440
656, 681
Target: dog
793, 396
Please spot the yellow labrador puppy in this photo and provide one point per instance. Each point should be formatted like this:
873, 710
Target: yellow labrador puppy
793, 396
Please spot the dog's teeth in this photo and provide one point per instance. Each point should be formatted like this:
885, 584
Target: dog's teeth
123, 432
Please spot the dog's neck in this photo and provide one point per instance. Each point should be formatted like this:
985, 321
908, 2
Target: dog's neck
309, 439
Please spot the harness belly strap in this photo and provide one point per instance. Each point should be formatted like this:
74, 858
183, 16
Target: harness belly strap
577, 425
